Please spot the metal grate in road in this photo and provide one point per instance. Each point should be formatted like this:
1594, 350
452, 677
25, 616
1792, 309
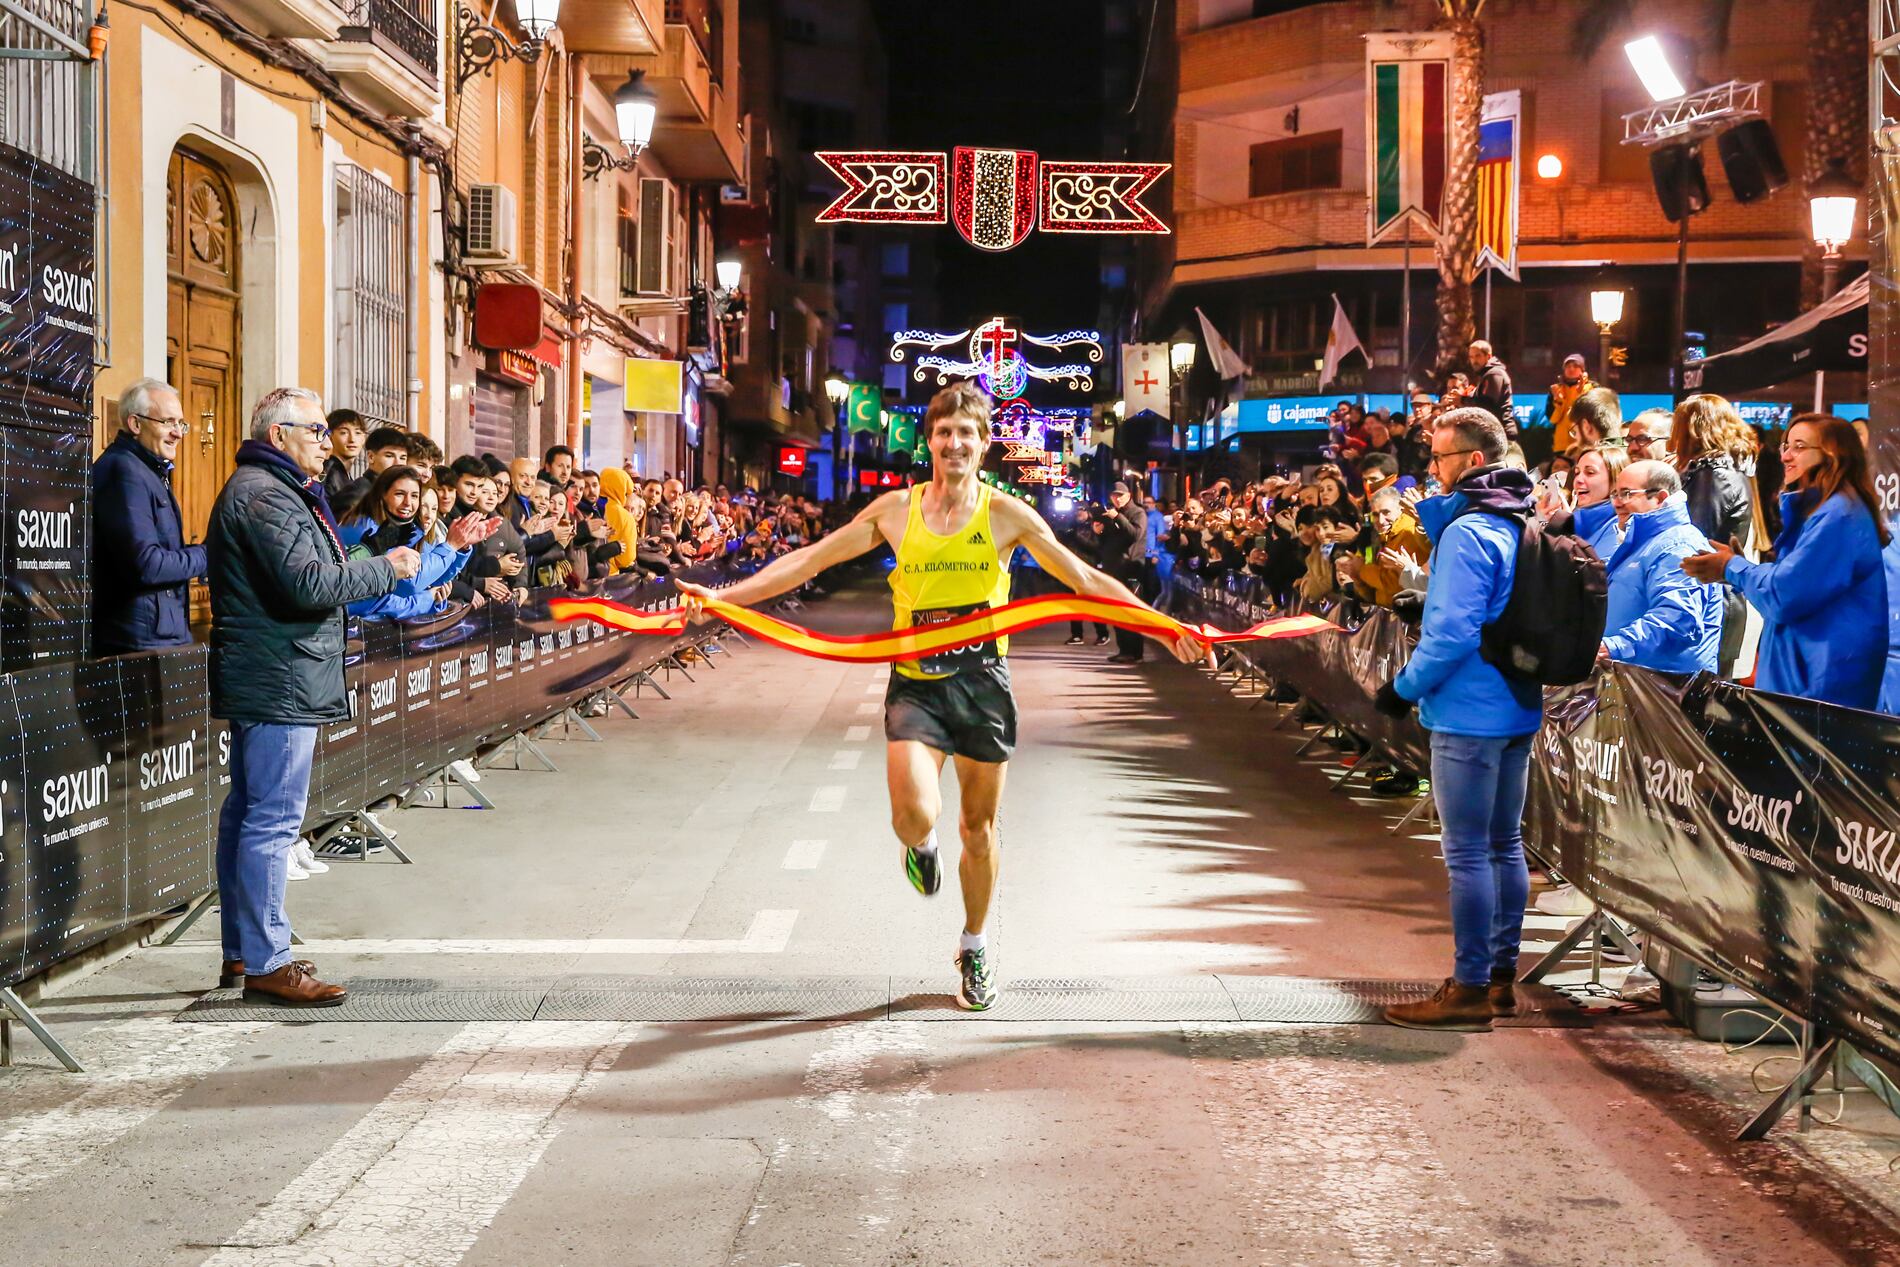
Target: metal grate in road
1286, 1000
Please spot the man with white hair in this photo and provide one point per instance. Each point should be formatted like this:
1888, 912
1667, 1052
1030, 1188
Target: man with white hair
280, 580
142, 567
1659, 617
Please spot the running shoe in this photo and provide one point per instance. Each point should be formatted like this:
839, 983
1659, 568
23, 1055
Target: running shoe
977, 991
924, 869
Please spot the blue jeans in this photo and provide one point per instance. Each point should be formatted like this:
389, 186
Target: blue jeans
1479, 786
270, 781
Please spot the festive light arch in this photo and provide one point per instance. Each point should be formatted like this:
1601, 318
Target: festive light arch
994, 197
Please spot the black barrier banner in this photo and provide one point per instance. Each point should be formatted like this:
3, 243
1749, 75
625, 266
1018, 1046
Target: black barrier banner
47, 294
46, 607
112, 772
1756, 832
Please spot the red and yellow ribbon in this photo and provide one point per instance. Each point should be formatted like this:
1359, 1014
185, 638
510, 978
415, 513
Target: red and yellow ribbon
924, 640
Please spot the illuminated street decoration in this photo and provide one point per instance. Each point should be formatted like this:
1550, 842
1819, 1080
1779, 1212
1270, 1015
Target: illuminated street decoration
994, 197
989, 356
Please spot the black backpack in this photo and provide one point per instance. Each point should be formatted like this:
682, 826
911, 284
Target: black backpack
1552, 625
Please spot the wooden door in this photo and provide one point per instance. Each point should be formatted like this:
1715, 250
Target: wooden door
202, 328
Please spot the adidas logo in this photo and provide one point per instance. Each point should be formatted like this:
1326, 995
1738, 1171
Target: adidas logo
976, 539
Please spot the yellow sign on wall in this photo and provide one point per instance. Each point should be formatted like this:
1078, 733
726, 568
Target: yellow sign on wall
655, 387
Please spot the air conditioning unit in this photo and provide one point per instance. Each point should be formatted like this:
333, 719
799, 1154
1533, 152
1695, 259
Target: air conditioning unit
493, 228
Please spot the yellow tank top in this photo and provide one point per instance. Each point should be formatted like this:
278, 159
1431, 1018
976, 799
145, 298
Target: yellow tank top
940, 578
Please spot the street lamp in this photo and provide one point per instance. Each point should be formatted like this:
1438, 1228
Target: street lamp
838, 388
1606, 309
636, 108
479, 44
1549, 167
1833, 205
1181, 353
729, 271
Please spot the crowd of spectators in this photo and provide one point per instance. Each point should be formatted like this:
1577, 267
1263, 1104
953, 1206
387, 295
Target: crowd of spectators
557, 524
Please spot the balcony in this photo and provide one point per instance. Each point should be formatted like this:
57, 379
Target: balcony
699, 136
288, 19
612, 26
387, 52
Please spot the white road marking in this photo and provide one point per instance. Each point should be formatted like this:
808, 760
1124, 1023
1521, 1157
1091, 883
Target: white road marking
857, 734
875, 688
418, 1178
804, 855
134, 1068
1273, 1091
828, 799
767, 935
869, 709
846, 759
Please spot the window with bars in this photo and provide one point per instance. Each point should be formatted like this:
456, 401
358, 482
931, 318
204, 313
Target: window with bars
368, 373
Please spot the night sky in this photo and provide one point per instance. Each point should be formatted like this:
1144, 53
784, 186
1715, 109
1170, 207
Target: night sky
1023, 75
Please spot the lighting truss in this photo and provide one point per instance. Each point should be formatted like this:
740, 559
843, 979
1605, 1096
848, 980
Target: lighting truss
1693, 116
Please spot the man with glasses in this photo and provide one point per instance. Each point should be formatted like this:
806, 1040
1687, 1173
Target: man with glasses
142, 568
1648, 435
1659, 617
1481, 722
279, 583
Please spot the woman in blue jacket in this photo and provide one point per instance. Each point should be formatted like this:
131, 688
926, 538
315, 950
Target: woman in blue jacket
1824, 598
388, 520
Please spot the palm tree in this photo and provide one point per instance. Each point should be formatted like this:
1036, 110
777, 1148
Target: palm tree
1457, 249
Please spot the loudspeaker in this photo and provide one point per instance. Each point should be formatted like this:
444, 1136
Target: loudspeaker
1752, 160
1681, 187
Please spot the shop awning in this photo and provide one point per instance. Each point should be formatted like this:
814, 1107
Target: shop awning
1829, 336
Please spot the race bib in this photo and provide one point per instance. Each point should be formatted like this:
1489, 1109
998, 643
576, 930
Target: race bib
960, 659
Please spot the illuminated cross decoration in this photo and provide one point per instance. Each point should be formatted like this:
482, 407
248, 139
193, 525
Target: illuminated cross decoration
996, 335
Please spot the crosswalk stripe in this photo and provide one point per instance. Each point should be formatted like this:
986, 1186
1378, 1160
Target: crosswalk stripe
134, 1069
766, 935
418, 1178
828, 799
857, 734
846, 759
804, 855
869, 709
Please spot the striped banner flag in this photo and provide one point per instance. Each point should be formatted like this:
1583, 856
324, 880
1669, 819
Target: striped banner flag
1408, 88
1498, 182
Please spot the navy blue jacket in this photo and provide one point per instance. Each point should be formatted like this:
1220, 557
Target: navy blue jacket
142, 567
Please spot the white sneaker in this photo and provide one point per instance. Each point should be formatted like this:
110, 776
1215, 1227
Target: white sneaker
1564, 900
467, 770
308, 860
293, 870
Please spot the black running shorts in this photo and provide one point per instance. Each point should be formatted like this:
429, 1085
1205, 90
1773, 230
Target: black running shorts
970, 714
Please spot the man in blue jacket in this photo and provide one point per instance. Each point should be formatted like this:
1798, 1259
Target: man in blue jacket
143, 568
1481, 722
1659, 616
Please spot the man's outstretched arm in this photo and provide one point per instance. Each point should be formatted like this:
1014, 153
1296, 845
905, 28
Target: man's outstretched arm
1033, 533
789, 571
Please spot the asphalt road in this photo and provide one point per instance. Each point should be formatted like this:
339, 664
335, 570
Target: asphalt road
1164, 854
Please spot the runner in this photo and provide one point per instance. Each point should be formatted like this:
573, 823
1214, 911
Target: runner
951, 538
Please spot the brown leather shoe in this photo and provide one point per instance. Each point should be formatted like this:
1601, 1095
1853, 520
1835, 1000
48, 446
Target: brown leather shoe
1503, 994
292, 986
1457, 1008
231, 975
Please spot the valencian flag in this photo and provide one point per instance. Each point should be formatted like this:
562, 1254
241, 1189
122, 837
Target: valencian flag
1498, 176
1408, 87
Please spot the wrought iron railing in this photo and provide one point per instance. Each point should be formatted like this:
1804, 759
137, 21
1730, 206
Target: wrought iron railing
406, 28
46, 82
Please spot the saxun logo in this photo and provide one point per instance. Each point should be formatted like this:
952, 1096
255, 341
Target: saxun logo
10, 266
1868, 848
165, 765
1764, 815
67, 290
1668, 782
1601, 761
68, 794
43, 529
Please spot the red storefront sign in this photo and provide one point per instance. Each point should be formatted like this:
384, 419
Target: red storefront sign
791, 461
